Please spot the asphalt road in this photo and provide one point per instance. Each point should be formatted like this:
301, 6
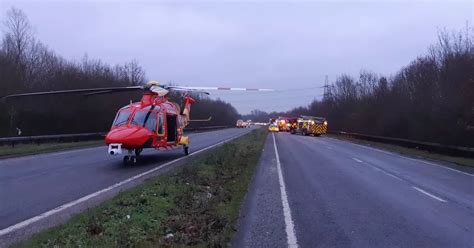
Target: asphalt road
32, 185
342, 194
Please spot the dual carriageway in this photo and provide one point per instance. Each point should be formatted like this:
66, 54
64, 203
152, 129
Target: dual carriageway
306, 192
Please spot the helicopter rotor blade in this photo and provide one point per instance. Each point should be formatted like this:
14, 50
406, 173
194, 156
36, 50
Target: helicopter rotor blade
189, 90
152, 86
98, 93
87, 92
192, 88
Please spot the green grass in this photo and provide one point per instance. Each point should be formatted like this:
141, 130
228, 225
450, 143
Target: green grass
198, 204
410, 151
26, 149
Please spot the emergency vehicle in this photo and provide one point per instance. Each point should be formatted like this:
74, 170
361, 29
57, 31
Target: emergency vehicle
283, 124
273, 128
310, 125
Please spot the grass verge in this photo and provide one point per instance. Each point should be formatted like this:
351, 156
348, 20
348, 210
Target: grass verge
469, 162
196, 205
27, 149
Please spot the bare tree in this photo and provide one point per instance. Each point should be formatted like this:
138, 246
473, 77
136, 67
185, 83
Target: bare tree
26, 64
431, 99
19, 34
135, 73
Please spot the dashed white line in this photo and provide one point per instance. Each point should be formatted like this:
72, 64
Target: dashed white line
357, 160
428, 194
375, 168
400, 156
417, 160
391, 175
290, 227
444, 167
51, 212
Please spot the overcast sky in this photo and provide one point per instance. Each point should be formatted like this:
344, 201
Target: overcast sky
281, 45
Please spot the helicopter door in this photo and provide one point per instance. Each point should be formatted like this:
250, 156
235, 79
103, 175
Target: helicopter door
171, 127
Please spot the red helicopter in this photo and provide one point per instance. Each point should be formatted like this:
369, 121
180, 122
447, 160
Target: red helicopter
154, 122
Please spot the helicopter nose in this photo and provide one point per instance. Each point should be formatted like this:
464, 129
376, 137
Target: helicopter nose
130, 137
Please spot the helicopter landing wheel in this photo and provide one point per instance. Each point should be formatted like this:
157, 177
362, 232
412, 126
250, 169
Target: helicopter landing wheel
126, 160
133, 160
138, 152
186, 150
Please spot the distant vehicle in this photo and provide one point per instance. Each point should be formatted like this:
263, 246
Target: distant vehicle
246, 124
310, 125
273, 128
239, 124
272, 121
283, 124
293, 124
242, 124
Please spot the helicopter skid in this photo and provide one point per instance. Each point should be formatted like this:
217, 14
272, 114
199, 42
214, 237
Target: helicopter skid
115, 149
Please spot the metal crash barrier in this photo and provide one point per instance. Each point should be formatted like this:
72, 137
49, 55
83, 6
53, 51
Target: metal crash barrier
61, 138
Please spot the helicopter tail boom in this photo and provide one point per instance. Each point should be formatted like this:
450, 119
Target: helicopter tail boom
188, 101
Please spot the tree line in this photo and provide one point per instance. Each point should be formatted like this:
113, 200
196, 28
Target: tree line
28, 65
430, 99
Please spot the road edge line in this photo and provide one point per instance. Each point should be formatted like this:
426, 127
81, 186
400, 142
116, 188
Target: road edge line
289, 224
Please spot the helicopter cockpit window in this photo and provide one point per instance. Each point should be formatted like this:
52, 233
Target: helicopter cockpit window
122, 118
139, 118
145, 118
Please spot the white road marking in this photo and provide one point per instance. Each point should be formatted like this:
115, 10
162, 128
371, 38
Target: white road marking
358, 160
290, 227
398, 155
448, 168
379, 170
51, 212
428, 194
328, 147
400, 179
375, 168
391, 175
